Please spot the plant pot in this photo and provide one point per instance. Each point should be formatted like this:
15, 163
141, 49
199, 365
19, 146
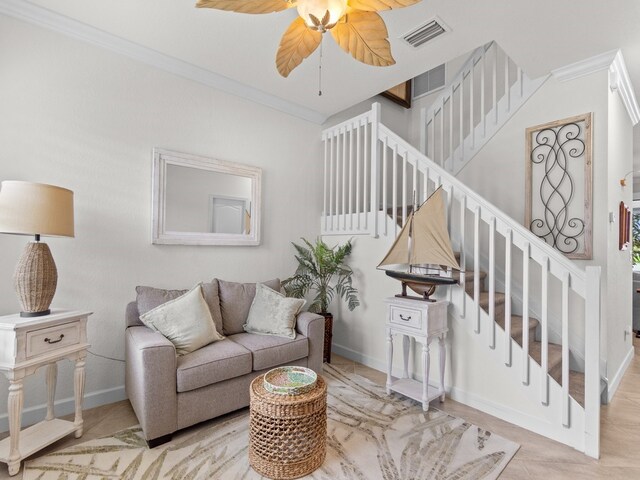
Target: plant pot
328, 335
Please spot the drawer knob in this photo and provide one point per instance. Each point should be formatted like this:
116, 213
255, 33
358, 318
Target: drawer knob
49, 341
406, 319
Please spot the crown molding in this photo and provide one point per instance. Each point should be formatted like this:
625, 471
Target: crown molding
619, 79
585, 67
42, 17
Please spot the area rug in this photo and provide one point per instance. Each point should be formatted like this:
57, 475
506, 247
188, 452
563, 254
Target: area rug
371, 435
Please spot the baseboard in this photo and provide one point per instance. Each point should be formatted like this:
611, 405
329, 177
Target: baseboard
66, 406
359, 357
612, 387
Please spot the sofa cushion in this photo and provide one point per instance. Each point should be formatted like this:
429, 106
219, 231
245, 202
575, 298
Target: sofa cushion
272, 313
149, 298
269, 351
235, 302
214, 363
186, 321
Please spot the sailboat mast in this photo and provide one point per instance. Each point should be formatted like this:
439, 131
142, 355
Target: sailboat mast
411, 243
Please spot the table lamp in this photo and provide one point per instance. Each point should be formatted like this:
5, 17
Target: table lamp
37, 209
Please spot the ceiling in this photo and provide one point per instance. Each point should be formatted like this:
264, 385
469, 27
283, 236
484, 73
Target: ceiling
539, 35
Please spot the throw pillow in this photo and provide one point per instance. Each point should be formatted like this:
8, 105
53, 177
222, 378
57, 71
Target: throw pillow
212, 297
149, 298
235, 302
186, 321
272, 313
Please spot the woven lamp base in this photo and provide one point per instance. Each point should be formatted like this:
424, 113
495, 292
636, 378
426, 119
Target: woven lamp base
35, 280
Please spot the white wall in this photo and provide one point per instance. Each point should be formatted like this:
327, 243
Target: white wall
81, 117
619, 286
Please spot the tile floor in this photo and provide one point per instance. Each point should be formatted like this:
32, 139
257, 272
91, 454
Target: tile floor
538, 457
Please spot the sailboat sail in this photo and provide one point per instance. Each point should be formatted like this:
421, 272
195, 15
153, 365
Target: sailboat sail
424, 238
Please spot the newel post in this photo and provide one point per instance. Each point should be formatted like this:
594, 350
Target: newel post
592, 363
375, 162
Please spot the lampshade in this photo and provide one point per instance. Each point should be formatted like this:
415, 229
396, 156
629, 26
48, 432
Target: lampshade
313, 11
28, 208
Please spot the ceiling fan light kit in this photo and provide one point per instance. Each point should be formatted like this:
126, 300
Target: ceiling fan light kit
321, 15
355, 25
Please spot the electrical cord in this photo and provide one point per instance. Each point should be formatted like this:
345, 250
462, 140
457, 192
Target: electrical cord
104, 356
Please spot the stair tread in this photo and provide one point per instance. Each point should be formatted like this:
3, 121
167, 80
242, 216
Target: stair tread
484, 299
469, 277
576, 386
516, 328
554, 357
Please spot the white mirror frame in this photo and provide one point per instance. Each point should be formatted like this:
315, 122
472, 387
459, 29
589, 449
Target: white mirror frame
161, 159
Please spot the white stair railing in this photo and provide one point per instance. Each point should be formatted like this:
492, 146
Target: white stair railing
350, 199
486, 92
387, 171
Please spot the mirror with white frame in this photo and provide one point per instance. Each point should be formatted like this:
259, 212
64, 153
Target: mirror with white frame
204, 201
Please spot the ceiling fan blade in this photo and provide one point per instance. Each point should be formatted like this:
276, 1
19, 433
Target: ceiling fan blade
364, 36
378, 5
246, 6
297, 43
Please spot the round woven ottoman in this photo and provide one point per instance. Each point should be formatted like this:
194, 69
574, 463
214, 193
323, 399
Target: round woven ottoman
287, 433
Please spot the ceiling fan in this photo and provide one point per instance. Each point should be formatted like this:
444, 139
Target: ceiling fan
354, 24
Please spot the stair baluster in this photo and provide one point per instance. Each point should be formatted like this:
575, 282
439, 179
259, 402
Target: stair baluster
544, 324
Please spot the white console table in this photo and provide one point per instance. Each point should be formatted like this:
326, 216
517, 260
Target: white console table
26, 344
424, 321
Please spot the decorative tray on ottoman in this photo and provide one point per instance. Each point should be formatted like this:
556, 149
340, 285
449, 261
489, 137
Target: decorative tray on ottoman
290, 380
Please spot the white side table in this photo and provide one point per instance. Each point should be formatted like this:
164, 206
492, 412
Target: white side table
26, 344
425, 322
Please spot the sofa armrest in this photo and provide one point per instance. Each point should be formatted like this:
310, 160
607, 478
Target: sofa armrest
312, 326
150, 379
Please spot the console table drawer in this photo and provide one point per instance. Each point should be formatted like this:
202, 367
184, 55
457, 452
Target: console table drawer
52, 338
406, 317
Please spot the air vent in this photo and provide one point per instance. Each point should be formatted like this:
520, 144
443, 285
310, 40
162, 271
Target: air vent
424, 33
429, 82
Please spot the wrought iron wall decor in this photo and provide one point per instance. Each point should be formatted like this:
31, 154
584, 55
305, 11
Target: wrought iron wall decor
559, 184
624, 230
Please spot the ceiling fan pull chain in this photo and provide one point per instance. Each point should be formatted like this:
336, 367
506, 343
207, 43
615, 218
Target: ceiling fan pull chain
320, 71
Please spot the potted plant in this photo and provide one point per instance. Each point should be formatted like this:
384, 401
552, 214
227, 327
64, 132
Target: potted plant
322, 270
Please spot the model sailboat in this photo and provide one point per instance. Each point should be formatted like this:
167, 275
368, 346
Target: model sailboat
422, 251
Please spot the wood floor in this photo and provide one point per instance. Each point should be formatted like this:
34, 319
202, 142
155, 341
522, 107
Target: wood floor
538, 457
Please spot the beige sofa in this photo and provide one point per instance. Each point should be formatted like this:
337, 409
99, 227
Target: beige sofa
170, 392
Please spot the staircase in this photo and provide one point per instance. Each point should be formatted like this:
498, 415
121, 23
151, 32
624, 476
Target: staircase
536, 311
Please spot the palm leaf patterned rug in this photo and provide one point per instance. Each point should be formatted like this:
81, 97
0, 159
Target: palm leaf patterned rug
371, 435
